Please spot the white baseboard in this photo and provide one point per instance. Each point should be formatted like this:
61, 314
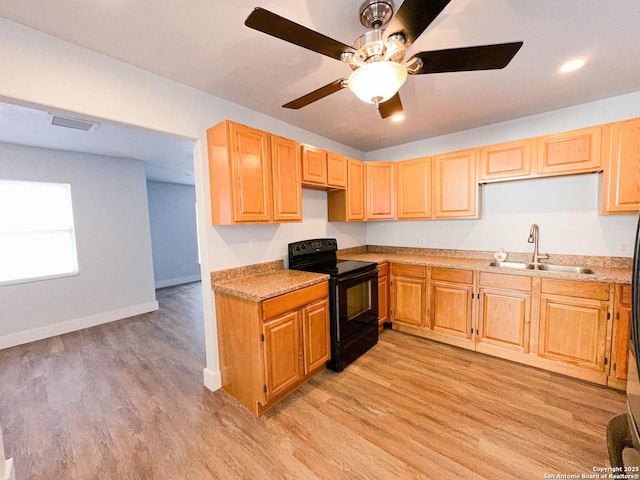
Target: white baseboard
9, 473
212, 380
61, 328
177, 281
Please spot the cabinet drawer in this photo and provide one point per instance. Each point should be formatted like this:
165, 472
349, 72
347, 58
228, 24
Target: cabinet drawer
625, 297
290, 301
383, 269
500, 280
417, 271
596, 291
448, 275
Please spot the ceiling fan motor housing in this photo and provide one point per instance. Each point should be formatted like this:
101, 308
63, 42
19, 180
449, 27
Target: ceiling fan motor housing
376, 13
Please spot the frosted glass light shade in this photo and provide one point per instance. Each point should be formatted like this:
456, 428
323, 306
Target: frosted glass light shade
377, 81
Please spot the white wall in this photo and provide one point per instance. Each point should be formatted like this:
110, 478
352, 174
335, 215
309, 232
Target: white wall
174, 236
565, 208
111, 221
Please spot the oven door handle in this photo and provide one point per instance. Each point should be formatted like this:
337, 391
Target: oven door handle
368, 273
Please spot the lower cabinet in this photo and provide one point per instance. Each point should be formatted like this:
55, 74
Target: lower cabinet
270, 348
620, 337
564, 326
383, 294
408, 294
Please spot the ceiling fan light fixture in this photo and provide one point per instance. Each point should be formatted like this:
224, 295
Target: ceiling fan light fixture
377, 82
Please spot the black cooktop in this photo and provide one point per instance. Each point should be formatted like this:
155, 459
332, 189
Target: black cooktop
319, 255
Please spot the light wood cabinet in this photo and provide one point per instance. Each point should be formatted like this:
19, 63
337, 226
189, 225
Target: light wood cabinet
408, 294
336, 171
348, 205
383, 294
380, 190
451, 313
575, 151
621, 162
413, 189
456, 188
287, 194
506, 160
314, 166
239, 174
573, 327
620, 337
504, 316
268, 349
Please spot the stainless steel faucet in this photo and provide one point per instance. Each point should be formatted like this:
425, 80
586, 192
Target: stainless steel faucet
534, 236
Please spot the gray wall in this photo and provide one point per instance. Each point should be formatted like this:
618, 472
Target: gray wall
174, 237
111, 219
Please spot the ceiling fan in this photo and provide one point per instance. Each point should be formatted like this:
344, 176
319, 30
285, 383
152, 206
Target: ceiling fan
376, 56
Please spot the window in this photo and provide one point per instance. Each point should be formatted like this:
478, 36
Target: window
37, 240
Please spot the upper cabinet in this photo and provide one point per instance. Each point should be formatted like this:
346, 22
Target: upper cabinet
348, 205
241, 177
570, 152
380, 190
456, 186
413, 188
506, 160
239, 174
287, 194
336, 171
323, 170
621, 162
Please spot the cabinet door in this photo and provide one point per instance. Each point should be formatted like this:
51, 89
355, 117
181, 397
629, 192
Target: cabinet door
570, 152
283, 352
620, 338
250, 174
573, 330
505, 161
413, 188
621, 183
383, 294
314, 166
504, 319
455, 185
408, 297
451, 309
336, 171
317, 350
287, 187
380, 190
355, 190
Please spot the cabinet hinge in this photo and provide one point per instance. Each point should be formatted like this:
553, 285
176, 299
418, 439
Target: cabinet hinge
608, 315
615, 365
618, 316
606, 361
472, 295
264, 387
262, 340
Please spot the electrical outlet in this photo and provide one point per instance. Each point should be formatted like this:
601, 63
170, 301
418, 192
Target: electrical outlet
253, 243
422, 242
624, 247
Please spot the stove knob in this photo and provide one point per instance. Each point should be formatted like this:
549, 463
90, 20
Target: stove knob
304, 246
297, 248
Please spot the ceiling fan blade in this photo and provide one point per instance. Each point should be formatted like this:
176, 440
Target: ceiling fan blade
284, 29
391, 107
413, 18
482, 57
322, 92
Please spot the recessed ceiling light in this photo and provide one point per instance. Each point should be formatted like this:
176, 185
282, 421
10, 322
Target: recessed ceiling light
398, 117
572, 65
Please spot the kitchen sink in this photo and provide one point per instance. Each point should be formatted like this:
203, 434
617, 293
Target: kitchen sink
543, 267
516, 265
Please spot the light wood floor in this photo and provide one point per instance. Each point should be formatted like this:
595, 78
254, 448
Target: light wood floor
126, 401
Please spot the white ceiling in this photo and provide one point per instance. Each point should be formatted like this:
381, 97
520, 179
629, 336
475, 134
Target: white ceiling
204, 44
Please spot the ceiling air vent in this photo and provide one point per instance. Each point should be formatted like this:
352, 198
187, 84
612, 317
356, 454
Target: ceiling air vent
74, 123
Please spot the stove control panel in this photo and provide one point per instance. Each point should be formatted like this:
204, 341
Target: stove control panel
311, 247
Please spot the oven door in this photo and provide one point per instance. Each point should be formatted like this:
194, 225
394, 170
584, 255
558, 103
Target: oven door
356, 303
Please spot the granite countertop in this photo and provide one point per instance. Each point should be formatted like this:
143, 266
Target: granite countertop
604, 273
263, 281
